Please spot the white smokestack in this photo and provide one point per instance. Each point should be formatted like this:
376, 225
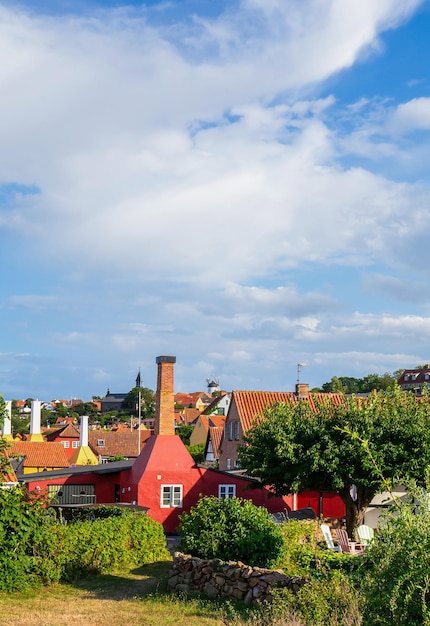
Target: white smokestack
7, 423
83, 439
35, 417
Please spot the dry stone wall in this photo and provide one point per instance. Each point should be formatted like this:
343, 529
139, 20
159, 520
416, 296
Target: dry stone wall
220, 579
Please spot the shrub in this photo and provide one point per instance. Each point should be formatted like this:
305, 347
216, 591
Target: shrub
230, 529
105, 544
329, 601
395, 570
304, 553
27, 541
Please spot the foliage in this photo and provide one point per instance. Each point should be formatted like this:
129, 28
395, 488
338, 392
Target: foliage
147, 401
230, 529
295, 447
184, 433
35, 547
330, 600
371, 382
304, 553
197, 452
27, 541
395, 570
104, 544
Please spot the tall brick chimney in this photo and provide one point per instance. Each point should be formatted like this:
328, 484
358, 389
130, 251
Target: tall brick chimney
302, 391
165, 396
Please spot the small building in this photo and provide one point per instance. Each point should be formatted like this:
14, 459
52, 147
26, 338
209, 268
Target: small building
415, 379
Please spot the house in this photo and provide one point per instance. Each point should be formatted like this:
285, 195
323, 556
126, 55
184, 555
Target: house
219, 405
39, 456
213, 443
68, 436
415, 379
247, 406
109, 444
201, 429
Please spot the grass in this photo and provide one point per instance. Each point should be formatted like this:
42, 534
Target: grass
137, 597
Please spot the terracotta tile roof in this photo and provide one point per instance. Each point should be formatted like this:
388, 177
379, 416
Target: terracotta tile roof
122, 442
40, 453
215, 434
189, 415
69, 431
251, 404
216, 420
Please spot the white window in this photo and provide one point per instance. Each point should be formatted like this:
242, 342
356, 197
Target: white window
236, 431
75, 444
228, 464
226, 491
101, 443
230, 431
171, 496
66, 444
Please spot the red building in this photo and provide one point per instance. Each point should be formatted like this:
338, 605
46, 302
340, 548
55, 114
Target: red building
165, 477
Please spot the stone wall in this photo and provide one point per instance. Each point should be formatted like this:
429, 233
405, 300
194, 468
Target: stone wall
220, 579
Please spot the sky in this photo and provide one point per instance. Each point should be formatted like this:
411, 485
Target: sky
242, 184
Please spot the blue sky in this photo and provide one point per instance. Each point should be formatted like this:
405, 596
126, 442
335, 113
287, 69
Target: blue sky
242, 184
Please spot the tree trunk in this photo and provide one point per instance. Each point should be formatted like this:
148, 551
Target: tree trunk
355, 508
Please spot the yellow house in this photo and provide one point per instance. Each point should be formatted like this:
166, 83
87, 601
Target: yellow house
39, 456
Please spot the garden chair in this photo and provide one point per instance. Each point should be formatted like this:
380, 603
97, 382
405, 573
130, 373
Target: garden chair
331, 545
351, 547
365, 534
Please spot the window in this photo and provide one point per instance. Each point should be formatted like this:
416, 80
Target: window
75, 444
228, 464
236, 463
101, 443
236, 431
226, 491
230, 431
171, 496
66, 444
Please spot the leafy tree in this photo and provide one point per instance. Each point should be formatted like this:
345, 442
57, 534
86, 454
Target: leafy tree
197, 452
61, 410
184, 433
230, 529
147, 399
333, 446
349, 385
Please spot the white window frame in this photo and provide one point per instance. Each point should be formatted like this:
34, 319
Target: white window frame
171, 496
75, 444
236, 431
66, 444
226, 491
228, 464
100, 443
230, 431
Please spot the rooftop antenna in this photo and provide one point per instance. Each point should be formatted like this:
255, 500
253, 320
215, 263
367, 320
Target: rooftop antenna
299, 366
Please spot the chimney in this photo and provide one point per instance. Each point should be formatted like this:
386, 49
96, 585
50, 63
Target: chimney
302, 391
35, 434
83, 435
165, 396
7, 422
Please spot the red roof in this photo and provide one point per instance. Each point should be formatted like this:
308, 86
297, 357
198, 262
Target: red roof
215, 435
40, 454
118, 443
251, 404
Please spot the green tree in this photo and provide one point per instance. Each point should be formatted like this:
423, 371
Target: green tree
230, 528
147, 400
296, 447
184, 432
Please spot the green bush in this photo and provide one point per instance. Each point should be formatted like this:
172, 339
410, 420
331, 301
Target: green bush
304, 553
395, 571
35, 548
230, 529
328, 601
109, 543
27, 541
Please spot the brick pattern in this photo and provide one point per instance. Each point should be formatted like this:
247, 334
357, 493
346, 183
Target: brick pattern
165, 397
